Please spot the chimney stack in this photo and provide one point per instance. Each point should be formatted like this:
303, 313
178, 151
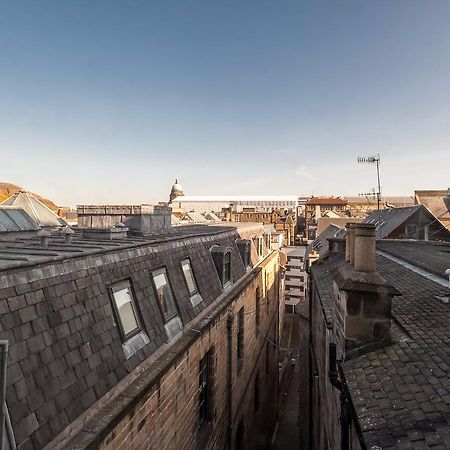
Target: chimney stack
349, 243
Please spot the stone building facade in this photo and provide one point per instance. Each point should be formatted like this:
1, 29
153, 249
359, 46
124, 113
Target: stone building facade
165, 341
378, 359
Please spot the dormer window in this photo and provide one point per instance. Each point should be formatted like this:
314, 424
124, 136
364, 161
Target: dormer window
222, 262
244, 247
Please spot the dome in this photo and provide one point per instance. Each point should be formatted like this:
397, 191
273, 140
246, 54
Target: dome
176, 191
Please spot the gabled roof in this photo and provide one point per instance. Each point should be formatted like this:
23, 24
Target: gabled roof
42, 215
387, 220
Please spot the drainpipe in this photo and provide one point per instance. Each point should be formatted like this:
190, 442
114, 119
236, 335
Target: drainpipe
4, 356
230, 380
310, 361
335, 382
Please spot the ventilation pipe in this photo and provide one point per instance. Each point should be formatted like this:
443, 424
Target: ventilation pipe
68, 234
44, 235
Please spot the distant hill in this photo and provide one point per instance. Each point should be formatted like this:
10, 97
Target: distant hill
8, 189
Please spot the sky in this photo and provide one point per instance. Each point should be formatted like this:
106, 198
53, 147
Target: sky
110, 101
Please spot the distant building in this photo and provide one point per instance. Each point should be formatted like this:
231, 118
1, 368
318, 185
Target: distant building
176, 191
361, 205
284, 221
237, 203
316, 207
164, 339
378, 350
434, 201
409, 222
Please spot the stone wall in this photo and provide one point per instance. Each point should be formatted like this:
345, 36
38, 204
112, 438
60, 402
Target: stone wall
141, 218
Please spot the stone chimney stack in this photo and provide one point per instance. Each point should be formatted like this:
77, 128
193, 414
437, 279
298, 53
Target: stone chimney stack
363, 299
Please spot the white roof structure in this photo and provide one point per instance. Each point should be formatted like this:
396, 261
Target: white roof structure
238, 198
42, 215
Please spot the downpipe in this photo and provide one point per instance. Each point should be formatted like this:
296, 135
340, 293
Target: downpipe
229, 380
336, 383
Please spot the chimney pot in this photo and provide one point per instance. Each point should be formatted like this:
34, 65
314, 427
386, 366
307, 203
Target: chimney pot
364, 243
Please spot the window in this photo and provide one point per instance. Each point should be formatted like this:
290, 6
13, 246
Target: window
222, 261
164, 294
244, 247
257, 310
194, 295
240, 337
227, 268
204, 390
125, 310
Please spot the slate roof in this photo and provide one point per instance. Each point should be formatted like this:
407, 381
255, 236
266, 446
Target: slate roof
388, 220
44, 216
29, 252
320, 244
433, 257
401, 393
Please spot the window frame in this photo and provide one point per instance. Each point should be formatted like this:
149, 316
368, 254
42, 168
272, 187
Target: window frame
119, 286
224, 264
205, 409
155, 290
197, 291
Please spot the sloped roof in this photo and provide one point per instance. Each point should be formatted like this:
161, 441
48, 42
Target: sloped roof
326, 201
196, 217
320, 244
16, 219
212, 216
44, 216
387, 220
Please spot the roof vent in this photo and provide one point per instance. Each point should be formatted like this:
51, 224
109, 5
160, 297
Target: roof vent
68, 234
44, 235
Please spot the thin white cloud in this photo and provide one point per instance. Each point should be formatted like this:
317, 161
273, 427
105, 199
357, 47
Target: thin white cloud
302, 171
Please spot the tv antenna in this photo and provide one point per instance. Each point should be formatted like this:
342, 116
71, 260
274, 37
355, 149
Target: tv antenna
373, 160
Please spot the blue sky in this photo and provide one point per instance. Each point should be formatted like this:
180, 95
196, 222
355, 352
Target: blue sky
109, 101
